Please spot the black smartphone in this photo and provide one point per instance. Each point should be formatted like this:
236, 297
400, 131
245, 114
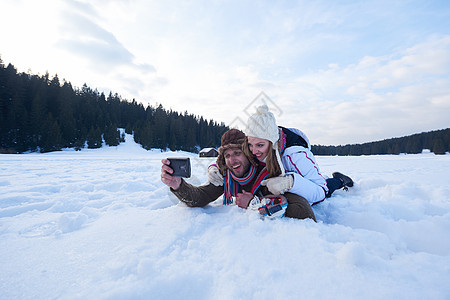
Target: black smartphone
274, 209
181, 166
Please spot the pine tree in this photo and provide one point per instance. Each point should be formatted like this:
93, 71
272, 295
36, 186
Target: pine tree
66, 115
438, 146
112, 136
51, 138
161, 128
94, 139
144, 135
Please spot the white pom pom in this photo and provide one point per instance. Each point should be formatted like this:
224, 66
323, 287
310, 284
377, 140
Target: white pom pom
262, 110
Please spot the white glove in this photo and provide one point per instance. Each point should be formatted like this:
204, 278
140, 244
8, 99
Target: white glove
279, 185
255, 203
214, 175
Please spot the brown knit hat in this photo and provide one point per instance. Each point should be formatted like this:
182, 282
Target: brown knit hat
233, 138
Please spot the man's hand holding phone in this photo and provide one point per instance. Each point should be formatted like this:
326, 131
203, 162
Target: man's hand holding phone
166, 175
173, 169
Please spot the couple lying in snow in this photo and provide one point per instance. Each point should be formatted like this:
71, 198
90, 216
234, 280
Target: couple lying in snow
268, 168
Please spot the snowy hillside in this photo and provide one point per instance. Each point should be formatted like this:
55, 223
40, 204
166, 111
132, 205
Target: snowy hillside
99, 224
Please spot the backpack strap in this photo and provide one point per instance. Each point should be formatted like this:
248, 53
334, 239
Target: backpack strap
294, 138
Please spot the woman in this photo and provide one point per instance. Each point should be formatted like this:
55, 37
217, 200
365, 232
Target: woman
288, 158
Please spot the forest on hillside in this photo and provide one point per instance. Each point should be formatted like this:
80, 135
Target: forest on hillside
39, 113
42, 114
437, 141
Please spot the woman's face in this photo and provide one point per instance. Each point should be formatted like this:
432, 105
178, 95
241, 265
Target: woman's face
259, 147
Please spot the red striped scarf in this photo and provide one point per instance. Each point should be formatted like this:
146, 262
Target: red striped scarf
232, 184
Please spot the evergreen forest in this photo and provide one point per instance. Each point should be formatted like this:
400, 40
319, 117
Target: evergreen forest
42, 114
436, 141
39, 113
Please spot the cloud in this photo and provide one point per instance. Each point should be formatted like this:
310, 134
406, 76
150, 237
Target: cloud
346, 72
377, 98
84, 37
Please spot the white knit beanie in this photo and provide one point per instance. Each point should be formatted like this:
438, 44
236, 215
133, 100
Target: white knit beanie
263, 125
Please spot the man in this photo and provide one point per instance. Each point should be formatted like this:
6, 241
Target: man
242, 181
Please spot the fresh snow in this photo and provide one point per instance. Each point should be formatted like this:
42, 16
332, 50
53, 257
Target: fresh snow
99, 224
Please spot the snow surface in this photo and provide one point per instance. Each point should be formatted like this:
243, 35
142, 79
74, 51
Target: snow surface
99, 224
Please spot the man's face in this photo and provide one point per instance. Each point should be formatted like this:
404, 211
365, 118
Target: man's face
236, 161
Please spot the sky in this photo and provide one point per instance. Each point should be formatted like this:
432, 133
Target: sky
341, 71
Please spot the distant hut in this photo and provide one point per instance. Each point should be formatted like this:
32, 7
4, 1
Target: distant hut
209, 152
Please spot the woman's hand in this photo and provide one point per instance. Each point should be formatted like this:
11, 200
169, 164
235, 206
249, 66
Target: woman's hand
279, 185
214, 175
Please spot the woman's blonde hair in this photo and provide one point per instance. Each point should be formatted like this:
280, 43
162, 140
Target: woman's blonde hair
271, 161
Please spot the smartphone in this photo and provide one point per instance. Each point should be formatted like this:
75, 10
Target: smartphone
274, 209
181, 166
269, 211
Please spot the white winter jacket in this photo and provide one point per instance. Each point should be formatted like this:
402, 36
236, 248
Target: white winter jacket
300, 162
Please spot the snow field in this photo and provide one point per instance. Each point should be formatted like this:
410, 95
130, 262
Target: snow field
99, 224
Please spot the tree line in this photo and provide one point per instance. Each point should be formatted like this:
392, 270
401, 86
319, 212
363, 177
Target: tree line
39, 113
436, 141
